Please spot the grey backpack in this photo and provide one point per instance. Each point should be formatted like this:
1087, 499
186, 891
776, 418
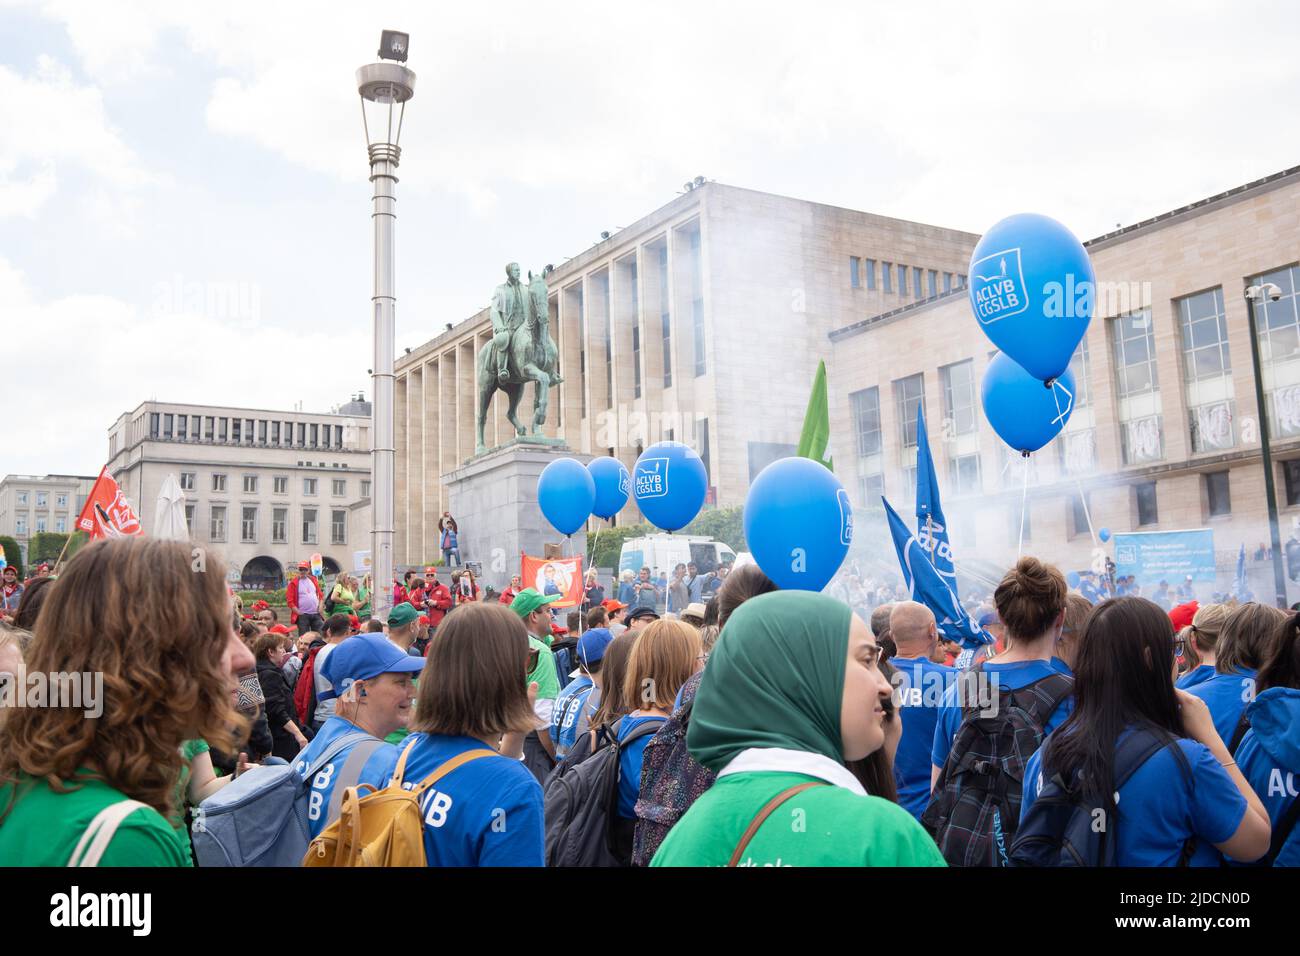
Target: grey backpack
260, 818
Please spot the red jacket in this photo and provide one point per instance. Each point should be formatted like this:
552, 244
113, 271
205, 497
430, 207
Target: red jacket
508, 596
437, 603
291, 598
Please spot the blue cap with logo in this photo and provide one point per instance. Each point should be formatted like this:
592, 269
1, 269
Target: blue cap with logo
363, 657
593, 644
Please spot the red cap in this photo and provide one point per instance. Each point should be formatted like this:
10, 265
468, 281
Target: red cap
1182, 615
280, 629
424, 619
610, 605
558, 629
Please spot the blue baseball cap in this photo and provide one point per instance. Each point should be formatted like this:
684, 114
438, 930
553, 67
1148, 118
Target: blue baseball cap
988, 616
592, 645
362, 657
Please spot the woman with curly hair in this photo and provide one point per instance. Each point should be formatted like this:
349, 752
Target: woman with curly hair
65, 777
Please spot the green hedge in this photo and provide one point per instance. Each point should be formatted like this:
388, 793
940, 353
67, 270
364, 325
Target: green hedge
721, 524
273, 598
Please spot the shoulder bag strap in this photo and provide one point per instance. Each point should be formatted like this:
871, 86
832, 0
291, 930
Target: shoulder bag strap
1282, 832
1239, 734
448, 766
334, 749
766, 812
90, 848
351, 773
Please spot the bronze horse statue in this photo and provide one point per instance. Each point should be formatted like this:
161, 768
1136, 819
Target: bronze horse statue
531, 357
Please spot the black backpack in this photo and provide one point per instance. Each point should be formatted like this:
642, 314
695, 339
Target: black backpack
565, 652
975, 809
1061, 828
582, 823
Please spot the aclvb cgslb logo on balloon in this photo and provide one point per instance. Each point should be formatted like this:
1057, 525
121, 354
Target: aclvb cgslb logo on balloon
846, 516
998, 286
652, 478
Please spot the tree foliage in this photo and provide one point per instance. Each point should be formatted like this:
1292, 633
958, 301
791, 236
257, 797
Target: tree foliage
13, 554
721, 524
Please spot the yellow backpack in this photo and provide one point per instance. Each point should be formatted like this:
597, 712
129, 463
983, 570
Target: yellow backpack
382, 827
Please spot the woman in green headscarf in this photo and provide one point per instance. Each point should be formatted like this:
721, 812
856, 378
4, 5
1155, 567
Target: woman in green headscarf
792, 691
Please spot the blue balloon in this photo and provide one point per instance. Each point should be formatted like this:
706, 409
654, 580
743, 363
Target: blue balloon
798, 523
565, 493
1032, 289
669, 483
1073, 579
613, 485
1025, 413
1104, 534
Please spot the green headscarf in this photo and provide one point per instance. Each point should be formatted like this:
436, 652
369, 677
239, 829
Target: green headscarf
775, 679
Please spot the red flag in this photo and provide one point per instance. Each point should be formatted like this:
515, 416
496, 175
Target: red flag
106, 513
549, 575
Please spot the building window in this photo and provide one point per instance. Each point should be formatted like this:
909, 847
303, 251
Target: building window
697, 303
665, 316
1279, 351
236, 430
61, 525
916, 282
302, 434
189, 517
964, 473
20, 524
635, 285
365, 488
340, 487
871, 488
947, 282
887, 275
218, 482
275, 433
315, 435
601, 282
338, 527
869, 266
1079, 513
578, 300
248, 525
855, 272
183, 427
209, 423
1138, 388
223, 425
280, 484
167, 427
42, 499
865, 407
909, 394
40, 524
250, 484
154, 420
959, 398
22, 497
338, 436
308, 525
1291, 473
187, 481
279, 525
1148, 513
961, 284
933, 276
61, 501
1207, 370
309, 486
902, 279
217, 524
1217, 495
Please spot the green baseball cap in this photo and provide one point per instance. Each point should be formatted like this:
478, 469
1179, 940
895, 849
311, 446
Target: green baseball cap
402, 615
530, 599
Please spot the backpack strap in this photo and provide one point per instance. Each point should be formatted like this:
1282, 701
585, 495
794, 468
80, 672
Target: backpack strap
1282, 832
351, 773
90, 848
448, 766
334, 749
1045, 696
1239, 734
763, 814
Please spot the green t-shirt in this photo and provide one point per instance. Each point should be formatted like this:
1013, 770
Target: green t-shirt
44, 827
548, 681
189, 750
823, 826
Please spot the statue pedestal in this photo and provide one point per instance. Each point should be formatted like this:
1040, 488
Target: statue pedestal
493, 498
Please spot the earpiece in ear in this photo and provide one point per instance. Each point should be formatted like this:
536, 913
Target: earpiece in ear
361, 692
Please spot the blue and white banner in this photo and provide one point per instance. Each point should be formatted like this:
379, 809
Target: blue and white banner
931, 526
1170, 556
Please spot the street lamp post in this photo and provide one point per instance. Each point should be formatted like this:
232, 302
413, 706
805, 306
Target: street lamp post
385, 87
1254, 294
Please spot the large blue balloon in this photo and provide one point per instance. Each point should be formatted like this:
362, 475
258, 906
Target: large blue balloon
1032, 289
798, 523
613, 485
565, 493
1025, 413
669, 483
1104, 534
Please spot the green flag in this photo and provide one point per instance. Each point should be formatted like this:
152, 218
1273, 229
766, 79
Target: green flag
816, 433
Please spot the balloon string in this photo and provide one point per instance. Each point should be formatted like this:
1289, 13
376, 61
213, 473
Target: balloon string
1024, 500
1087, 513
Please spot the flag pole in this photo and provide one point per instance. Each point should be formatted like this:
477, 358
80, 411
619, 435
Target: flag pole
59, 560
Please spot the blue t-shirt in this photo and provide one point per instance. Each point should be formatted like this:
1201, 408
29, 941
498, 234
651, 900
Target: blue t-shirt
1227, 696
1269, 758
487, 812
1060, 666
920, 690
1197, 675
629, 764
564, 718
376, 770
1161, 807
1011, 676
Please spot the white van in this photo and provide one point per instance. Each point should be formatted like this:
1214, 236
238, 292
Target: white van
666, 551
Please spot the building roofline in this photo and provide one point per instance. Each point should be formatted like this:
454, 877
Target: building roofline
235, 408
1236, 194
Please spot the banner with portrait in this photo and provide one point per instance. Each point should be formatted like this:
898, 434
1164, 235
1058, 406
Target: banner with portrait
554, 576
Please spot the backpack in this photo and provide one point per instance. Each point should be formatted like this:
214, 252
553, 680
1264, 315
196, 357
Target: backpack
260, 817
582, 823
676, 780
564, 652
382, 827
1060, 828
975, 808
304, 692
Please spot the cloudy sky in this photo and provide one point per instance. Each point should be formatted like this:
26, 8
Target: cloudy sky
183, 187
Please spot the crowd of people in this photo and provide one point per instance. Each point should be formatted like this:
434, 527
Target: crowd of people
733, 725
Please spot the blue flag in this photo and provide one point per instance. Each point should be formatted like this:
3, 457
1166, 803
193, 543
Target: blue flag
928, 587
1239, 586
931, 528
